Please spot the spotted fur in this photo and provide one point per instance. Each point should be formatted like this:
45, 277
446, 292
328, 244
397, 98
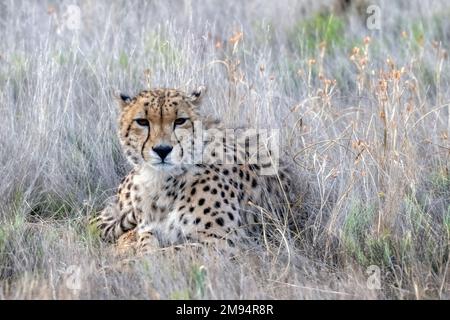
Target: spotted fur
169, 202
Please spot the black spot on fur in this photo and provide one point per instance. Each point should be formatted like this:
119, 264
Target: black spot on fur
207, 210
220, 221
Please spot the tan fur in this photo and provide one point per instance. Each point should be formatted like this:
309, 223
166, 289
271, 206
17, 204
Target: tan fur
167, 205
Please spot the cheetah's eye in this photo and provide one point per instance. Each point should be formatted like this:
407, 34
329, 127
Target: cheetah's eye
180, 121
142, 122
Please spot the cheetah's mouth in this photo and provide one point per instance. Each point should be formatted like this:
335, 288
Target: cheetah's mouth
163, 165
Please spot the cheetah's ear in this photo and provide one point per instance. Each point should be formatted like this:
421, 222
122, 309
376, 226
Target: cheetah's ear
122, 99
196, 96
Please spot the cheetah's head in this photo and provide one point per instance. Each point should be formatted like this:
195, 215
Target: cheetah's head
156, 127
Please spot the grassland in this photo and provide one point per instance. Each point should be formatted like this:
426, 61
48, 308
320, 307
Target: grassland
364, 116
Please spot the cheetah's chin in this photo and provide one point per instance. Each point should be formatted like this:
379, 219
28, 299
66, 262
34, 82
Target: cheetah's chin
163, 166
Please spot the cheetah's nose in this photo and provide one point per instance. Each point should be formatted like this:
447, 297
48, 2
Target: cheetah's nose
162, 151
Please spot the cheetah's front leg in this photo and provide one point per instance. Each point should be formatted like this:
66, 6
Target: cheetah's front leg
147, 242
112, 223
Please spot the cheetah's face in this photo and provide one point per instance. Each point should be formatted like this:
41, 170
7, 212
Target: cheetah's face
155, 127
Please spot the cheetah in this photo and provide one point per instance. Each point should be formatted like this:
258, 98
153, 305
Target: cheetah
167, 199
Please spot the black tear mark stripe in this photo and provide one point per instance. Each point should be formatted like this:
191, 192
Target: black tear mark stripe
193, 141
128, 130
148, 137
176, 137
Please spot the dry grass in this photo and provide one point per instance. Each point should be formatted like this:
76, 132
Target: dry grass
364, 117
